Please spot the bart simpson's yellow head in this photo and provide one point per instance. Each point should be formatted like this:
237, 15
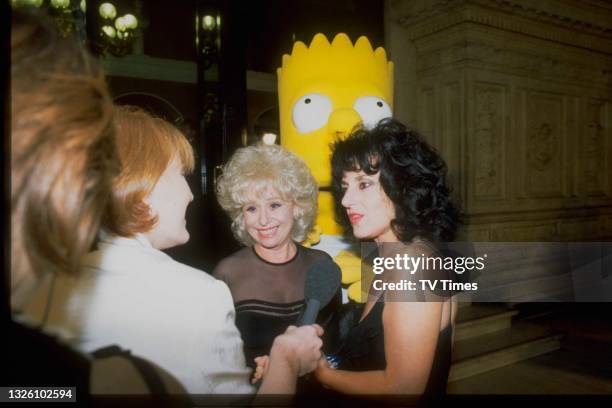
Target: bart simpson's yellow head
327, 89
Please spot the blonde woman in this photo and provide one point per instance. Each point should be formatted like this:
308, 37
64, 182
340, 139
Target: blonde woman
271, 198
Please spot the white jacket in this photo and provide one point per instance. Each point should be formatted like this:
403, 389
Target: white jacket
137, 297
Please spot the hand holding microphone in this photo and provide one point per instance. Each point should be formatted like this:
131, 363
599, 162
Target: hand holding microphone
321, 284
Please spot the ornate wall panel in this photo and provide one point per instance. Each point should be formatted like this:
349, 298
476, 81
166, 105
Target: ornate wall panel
593, 151
516, 94
487, 142
451, 134
543, 154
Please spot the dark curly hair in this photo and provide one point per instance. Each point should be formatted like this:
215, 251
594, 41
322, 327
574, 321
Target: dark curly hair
412, 174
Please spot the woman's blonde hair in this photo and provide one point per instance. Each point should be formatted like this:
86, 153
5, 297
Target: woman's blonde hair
147, 145
252, 171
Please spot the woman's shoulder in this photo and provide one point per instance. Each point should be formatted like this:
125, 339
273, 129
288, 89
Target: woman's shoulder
314, 254
418, 247
193, 282
238, 256
232, 263
190, 273
118, 253
422, 247
402, 260
131, 260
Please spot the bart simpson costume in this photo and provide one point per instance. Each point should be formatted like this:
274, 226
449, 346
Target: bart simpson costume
325, 90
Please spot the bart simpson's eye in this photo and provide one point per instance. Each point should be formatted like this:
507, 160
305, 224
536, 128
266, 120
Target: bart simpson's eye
372, 109
311, 112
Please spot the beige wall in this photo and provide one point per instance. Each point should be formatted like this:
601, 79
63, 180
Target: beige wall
517, 95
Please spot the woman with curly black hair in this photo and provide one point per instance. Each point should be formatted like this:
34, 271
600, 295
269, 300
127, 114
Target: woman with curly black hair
389, 187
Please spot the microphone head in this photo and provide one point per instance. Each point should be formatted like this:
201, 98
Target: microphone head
322, 281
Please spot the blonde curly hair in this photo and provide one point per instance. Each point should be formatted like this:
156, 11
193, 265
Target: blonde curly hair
253, 170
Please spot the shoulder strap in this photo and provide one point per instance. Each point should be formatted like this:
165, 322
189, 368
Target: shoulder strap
149, 375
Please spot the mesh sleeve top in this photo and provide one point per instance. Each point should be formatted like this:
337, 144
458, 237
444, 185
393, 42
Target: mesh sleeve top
268, 297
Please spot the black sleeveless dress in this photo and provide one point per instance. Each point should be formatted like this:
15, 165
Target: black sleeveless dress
364, 349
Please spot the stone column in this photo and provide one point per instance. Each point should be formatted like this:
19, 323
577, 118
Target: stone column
517, 96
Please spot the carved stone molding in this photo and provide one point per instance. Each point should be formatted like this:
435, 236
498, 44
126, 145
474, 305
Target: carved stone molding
534, 232
531, 217
514, 61
561, 21
527, 121
542, 147
541, 230
562, 13
593, 159
449, 142
544, 175
488, 141
427, 114
593, 149
581, 228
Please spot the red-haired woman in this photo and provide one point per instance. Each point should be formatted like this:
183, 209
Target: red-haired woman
134, 295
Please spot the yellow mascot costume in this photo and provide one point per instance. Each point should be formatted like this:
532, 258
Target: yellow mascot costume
325, 90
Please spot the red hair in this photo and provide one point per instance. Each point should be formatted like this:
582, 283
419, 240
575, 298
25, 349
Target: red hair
147, 146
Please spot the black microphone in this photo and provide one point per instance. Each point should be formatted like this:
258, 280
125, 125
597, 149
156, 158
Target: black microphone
322, 283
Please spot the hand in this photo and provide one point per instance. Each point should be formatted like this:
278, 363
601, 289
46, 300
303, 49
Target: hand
261, 369
321, 370
300, 347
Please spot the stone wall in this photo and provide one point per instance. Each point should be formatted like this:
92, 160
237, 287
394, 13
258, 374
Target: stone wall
517, 96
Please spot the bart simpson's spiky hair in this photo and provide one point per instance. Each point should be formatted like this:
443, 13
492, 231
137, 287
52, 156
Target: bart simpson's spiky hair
340, 58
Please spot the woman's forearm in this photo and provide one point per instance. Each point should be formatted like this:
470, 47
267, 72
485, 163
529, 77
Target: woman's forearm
281, 375
362, 382
380, 382
294, 353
